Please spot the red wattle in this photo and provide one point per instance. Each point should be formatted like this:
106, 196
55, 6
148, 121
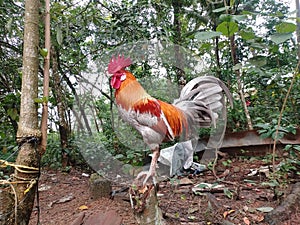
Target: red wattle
115, 82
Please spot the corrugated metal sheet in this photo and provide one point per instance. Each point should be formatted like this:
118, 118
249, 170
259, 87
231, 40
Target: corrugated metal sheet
249, 143
252, 138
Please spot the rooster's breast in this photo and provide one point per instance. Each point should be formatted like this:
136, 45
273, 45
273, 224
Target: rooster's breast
152, 128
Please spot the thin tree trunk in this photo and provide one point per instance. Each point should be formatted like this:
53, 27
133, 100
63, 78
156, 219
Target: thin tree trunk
61, 108
181, 79
217, 54
238, 74
79, 105
44, 122
298, 26
239, 82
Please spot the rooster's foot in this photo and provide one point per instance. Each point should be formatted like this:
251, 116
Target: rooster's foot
146, 175
152, 169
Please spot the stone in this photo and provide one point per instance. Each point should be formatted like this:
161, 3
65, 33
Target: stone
99, 186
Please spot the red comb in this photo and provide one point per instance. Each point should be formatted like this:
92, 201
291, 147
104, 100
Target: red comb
117, 63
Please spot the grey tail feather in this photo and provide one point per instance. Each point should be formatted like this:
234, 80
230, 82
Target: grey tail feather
202, 101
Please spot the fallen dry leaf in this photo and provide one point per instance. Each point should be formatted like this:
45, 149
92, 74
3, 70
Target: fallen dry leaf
185, 181
226, 213
260, 218
246, 220
64, 199
83, 207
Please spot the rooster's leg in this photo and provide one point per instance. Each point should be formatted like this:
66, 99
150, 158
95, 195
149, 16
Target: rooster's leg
152, 170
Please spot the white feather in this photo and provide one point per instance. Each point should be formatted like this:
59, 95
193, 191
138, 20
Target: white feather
202, 100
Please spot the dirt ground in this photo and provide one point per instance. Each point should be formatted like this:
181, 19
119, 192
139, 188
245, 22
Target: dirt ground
243, 197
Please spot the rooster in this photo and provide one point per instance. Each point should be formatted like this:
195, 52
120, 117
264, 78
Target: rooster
158, 121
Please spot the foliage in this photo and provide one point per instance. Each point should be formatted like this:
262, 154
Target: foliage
292, 161
52, 157
268, 130
287, 169
82, 32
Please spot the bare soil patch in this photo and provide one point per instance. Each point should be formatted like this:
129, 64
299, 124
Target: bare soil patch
240, 198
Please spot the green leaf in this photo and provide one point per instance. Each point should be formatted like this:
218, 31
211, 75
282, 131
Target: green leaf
228, 28
239, 18
257, 45
264, 135
247, 35
287, 147
258, 61
280, 37
228, 193
59, 36
297, 147
192, 217
265, 209
45, 99
237, 66
206, 46
202, 185
279, 135
285, 27
262, 131
221, 9
8, 25
38, 100
263, 125
272, 183
119, 156
44, 52
249, 181
41, 100
13, 113
225, 17
207, 35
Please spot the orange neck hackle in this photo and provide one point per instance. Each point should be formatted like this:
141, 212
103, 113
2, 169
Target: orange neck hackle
130, 91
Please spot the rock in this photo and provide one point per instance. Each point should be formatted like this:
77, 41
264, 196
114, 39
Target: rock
286, 208
236, 169
79, 219
99, 186
104, 218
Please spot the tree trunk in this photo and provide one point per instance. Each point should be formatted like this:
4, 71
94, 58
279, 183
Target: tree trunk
217, 55
298, 27
64, 130
44, 122
81, 112
239, 82
28, 135
235, 61
181, 78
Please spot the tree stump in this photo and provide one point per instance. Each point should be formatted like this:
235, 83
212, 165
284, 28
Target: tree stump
145, 204
99, 186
